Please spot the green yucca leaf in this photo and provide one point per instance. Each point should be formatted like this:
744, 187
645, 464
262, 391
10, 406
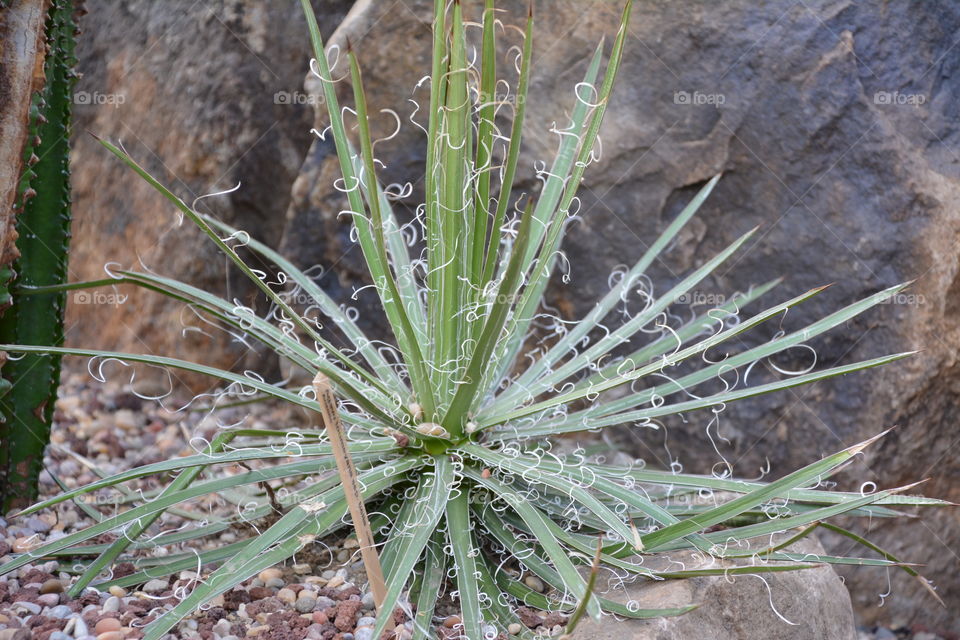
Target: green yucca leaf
430, 585
464, 554
432, 496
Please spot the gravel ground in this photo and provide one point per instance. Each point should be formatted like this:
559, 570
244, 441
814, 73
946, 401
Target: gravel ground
321, 596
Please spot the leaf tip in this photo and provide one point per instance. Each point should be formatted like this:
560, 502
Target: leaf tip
857, 448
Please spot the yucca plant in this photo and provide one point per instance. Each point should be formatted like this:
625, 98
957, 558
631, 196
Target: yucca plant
452, 427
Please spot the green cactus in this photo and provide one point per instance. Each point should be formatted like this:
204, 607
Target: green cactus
43, 226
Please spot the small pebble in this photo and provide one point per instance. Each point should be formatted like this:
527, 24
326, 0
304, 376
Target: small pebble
120, 592
329, 573
60, 612
287, 595
351, 543
60, 635
276, 583
155, 586
323, 602
51, 586
335, 582
302, 569
32, 607
366, 621
534, 583
253, 631
111, 605
305, 603
80, 628
49, 599
110, 635
107, 624
451, 622
15, 634
367, 601
38, 525
25, 544
269, 574
514, 629
363, 633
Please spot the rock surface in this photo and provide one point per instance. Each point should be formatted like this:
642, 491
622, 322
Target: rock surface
794, 605
833, 122
204, 95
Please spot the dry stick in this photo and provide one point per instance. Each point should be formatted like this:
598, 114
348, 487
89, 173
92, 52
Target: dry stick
351, 489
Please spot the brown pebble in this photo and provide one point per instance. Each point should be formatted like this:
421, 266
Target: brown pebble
486, 473
451, 622
106, 625
51, 586
269, 574
110, 635
320, 617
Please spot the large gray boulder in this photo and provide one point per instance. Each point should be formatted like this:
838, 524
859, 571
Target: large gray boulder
795, 605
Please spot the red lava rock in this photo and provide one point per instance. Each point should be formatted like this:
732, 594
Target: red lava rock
346, 619
267, 605
43, 626
319, 617
233, 599
259, 593
35, 575
286, 625
123, 569
529, 617
86, 600
5, 548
